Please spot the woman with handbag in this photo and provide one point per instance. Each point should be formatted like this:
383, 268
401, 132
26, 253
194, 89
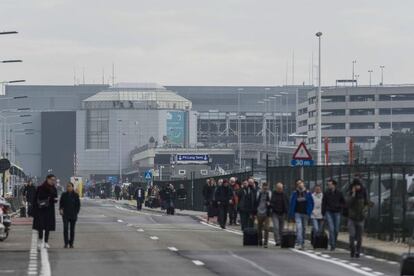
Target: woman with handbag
44, 210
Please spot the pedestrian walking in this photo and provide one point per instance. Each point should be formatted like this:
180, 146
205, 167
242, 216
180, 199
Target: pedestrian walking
300, 209
279, 206
69, 207
117, 191
357, 204
246, 197
209, 190
44, 201
29, 192
263, 214
233, 206
223, 198
169, 196
139, 196
316, 216
182, 197
332, 204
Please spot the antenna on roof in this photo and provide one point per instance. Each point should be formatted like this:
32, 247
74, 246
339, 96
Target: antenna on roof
74, 75
83, 75
113, 74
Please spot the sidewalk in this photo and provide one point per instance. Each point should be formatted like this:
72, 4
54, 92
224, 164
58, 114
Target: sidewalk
374, 247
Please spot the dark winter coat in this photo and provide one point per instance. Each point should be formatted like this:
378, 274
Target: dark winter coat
139, 195
332, 201
70, 204
279, 203
29, 193
44, 218
181, 193
208, 193
223, 195
247, 199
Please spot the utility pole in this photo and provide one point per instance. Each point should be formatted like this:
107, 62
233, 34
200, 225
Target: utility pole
319, 105
382, 74
353, 71
370, 77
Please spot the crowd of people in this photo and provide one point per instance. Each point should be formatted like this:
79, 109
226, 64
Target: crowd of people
255, 205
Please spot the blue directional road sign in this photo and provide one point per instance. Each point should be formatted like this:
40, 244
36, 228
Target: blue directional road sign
193, 157
148, 175
301, 163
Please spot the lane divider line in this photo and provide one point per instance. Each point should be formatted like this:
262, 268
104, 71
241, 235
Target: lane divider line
198, 263
120, 220
154, 238
172, 249
32, 267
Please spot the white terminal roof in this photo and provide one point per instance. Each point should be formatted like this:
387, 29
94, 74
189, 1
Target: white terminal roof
138, 98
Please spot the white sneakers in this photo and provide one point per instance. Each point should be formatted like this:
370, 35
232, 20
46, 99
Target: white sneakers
41, 245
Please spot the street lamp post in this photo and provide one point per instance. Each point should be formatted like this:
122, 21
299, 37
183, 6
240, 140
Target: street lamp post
370, 77
120, 151
319, 105
353, 72
391, 128
382, 74
286, 95
239, 141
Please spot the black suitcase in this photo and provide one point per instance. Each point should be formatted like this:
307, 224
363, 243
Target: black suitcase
407, 261
288, 239
319, 240
22, 212
250, 237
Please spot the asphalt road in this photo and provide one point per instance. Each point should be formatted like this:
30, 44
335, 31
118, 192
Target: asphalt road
113, 239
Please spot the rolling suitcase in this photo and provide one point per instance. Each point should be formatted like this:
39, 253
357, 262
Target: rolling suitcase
319, 240
250, 237
288, 238
407, 261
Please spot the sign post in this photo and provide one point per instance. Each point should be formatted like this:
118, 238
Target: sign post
302, 158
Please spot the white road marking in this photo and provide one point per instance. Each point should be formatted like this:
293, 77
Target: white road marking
392, 262
32, 267
378, 273
140, 230
120, 220
154, 238
130, 225
198, 263
136, 212
44, 257
369, 257
6, 271
173, 249
350, 267
253, 264
354, 264
366, 268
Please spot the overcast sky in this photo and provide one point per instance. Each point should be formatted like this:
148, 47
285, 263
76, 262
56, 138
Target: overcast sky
205, 42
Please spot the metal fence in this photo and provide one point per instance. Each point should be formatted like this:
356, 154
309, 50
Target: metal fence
390, 188
194, 188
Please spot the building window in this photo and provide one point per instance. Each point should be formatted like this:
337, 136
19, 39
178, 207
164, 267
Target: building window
362, 98
334, 126
312, 114
398, 97
312, 100
97, 129
311, 127
362, 125
337, 140
303, 123
333, 112
396, 111
332, 99
361, 112
363, 139
303, 111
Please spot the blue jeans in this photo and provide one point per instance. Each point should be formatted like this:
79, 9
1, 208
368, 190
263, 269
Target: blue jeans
301, 220
317, 225
334, 221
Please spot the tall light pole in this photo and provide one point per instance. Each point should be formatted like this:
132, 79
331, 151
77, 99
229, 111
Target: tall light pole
370, 77
382, 74
353, 71
286, 95
319, 105
120, 151
391, 128
239, 141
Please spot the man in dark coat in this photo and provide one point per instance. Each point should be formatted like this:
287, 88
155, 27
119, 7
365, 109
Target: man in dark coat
44, 209
182, 197
223, 197
29, 192
169, 199
117, 191
139, 196
69, 207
